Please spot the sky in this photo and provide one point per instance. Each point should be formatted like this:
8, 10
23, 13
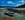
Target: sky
12, 2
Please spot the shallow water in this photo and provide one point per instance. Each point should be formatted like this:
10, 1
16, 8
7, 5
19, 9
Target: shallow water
1, 13
19, 17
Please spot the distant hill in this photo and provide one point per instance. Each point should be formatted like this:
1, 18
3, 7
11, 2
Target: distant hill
22, 6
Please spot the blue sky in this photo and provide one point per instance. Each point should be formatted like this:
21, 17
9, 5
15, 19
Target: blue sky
11, 2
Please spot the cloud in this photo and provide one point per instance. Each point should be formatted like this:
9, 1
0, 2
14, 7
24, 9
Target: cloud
2, 5
10, 2
19, 5
22, 1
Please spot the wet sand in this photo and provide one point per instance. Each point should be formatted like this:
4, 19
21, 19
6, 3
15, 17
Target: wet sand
6, 18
